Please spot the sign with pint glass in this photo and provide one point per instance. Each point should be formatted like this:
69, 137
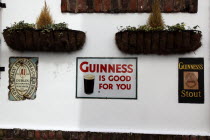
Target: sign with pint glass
106, 77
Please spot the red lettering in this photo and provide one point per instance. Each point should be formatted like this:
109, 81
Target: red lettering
103, 68
118, 68
102, 78
105, 86
92, 68
81, 67
97, 67
119, 78
123, 86
130, 68
124, 68
106, 68
111, 68
100, 86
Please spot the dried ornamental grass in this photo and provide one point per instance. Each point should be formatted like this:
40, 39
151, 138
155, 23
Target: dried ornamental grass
155, 19
44, 18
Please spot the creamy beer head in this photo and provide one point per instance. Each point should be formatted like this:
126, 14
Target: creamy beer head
89, 77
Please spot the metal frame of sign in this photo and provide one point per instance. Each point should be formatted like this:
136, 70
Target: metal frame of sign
108, 58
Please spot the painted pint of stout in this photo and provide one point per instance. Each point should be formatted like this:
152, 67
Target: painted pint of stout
89, 83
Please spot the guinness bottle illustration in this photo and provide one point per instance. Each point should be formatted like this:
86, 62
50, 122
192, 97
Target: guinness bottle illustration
89, 83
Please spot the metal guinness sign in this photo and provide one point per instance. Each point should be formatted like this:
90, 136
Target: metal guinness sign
191, 80
107, 78
23, 75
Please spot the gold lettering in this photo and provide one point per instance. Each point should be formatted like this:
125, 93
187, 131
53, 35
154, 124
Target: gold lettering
190, 94
180, 65
183, 66
183, 93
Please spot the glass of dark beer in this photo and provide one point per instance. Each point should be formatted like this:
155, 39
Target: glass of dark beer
89, 83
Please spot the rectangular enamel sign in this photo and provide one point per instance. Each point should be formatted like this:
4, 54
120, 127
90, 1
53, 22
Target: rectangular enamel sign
191, 80
23, 78
108, 78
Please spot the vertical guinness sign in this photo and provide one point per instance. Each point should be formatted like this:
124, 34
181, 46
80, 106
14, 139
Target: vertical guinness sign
23, 78
191, 80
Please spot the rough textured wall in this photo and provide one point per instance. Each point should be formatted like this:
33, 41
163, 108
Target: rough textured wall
17, 134
127, 6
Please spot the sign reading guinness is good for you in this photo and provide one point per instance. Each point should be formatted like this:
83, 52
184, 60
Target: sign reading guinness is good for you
23, 75
109, 78
191, 80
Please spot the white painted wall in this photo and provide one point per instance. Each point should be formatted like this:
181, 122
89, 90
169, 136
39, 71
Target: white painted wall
157, 109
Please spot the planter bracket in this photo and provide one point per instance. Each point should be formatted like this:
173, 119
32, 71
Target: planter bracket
2, 5
2, 69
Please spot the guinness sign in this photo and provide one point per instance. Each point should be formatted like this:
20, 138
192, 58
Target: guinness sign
191, 80
23, 75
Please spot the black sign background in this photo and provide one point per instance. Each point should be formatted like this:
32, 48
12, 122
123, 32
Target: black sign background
197, 94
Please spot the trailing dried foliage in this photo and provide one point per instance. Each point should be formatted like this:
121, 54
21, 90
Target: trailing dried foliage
20, 26
155, 19
44, 18
177, 27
